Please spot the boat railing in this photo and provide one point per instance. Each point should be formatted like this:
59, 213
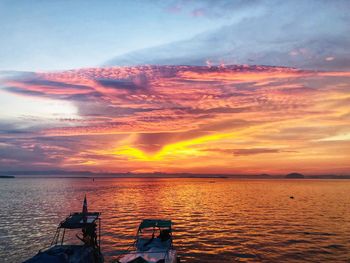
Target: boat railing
143, 252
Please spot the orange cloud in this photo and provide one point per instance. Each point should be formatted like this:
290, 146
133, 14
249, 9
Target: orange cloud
176, 118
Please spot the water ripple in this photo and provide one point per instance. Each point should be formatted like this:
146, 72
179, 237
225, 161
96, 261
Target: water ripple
220, 220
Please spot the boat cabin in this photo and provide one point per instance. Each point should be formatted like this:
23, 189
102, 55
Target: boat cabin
154, 233
154, 243
90, 225
84, 247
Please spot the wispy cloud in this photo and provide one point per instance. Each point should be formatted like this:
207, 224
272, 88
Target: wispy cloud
309, 35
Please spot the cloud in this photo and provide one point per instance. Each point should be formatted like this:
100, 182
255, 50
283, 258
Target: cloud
133, 84
212, 9
310, 35
254, 151
11, 129
53, 84
246, 152
156, 117
172, 95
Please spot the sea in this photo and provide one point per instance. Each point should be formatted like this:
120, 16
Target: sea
215, 219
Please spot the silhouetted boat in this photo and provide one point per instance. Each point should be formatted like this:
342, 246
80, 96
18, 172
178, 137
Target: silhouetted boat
154, 243
88, 252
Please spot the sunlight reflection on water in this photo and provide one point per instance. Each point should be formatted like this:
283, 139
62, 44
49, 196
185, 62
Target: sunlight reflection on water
216, 220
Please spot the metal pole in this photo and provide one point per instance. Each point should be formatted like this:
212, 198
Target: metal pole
64, 231
55, 238
99, 235
58, 236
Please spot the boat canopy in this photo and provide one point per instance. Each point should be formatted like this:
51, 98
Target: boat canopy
80, 220
146, 223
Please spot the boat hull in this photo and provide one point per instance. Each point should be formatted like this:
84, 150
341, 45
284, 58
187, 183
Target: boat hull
67, 254
150, 256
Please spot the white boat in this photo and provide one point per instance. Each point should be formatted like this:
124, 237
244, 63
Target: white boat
154, 244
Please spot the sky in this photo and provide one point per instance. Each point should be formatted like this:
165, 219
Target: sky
244, 87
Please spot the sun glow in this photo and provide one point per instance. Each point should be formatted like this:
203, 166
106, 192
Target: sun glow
196, 147
174, 150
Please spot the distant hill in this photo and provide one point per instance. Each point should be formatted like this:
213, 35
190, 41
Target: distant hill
89, 174
6, 176
294, 176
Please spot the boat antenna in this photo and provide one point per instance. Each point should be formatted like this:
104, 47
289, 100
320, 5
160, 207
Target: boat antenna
85, 210
85, 207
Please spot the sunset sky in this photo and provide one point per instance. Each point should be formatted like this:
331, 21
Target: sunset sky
175, 86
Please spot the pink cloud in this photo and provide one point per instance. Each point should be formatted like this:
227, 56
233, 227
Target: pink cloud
183, 110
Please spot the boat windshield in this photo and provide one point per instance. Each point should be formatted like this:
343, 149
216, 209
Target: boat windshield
148, 233
154, 237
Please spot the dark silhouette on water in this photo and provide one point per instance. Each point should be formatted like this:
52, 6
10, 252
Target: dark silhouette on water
294, 176
88, 252
6, 176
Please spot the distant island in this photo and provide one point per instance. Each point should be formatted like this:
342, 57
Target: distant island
89, 174
294, 176
6, 176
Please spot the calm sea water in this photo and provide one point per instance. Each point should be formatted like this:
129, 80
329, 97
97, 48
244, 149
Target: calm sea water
216, 220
